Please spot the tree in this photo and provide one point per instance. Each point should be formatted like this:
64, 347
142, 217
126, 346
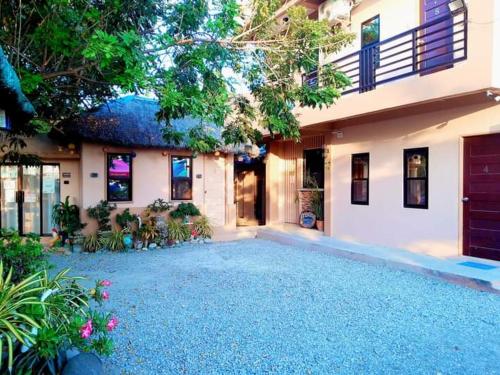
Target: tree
195, 55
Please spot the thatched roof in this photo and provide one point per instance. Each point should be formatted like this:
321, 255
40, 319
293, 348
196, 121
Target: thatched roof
129, 121
12, 98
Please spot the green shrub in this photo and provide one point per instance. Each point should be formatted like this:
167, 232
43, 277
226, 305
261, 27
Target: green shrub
102, 213
178, 231
148, 233
159, 206
185, 209
24, 255
125, 220
92, 243
67, 217
202, 227
43, 316
115, 241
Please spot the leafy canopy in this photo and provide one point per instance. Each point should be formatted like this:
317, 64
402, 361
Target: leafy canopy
234, 64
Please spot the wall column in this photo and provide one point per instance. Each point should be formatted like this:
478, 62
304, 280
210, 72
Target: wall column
229, 186
328, 194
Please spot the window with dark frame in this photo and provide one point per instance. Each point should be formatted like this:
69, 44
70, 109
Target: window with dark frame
182, 178
416, 178
314, 168
360, 174
370, 31
119, 177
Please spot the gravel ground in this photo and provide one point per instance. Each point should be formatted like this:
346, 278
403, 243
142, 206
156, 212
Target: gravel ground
255, 306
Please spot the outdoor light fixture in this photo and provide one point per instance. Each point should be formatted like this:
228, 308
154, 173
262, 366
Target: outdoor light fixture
164, 153
217, 153
456, 5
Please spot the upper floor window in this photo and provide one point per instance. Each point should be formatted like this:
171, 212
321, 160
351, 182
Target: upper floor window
370, 32
182, 178
360, 178
416, 178
314, 168
119, 181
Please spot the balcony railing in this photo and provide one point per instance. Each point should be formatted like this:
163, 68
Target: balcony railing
428, 48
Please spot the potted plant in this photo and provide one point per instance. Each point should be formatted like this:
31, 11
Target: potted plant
177, 232
316, 202
126, 221
67, 217
202, 228
317, 205
77, 242
185, 211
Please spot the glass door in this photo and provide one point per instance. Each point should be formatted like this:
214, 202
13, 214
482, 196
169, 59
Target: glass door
31, 203
27, 196
50, 195
9, 186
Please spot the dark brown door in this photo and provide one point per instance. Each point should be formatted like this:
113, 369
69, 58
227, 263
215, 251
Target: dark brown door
481, 198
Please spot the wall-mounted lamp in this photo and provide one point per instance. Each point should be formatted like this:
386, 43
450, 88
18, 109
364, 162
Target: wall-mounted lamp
60, 148
164, 153
217, 153
71, 148
105, 149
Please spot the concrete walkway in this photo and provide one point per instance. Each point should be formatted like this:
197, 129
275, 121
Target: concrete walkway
475, 273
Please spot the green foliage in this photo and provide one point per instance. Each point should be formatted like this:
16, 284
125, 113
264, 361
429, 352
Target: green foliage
67, 217
24, 255
178, 231
316, 198
202, 227
115, 241
39, 316
92, 243
159, 206
185, 209
148, 232
102, 213
125, 220
15, 299
195, 55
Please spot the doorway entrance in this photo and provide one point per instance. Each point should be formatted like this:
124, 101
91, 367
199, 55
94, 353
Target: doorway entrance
481, 199
250, 191
27, 196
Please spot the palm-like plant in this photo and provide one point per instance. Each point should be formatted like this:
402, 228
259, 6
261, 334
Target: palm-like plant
15, 299
203, 228
67, 217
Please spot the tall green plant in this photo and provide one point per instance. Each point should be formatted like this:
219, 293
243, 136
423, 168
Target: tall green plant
16, 326
102, 213
67, 217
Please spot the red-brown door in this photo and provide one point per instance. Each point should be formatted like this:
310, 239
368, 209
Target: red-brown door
481, 198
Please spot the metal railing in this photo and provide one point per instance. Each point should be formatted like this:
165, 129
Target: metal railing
428, 48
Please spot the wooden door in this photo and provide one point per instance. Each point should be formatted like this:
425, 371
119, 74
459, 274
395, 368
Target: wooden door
481, 200
437, 38
246, 198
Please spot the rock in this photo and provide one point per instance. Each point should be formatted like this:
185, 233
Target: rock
84, 364
152, 246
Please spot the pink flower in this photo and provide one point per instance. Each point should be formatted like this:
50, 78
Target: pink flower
86, 330
105, 283
105, 295
113, 322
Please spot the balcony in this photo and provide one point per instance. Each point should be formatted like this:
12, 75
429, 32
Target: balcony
428, 48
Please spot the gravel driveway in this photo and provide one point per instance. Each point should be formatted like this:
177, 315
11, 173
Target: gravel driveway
255, 306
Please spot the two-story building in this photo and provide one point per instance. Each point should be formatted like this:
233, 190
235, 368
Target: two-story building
409, 157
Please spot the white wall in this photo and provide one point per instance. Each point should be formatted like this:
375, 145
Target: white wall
385, 221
